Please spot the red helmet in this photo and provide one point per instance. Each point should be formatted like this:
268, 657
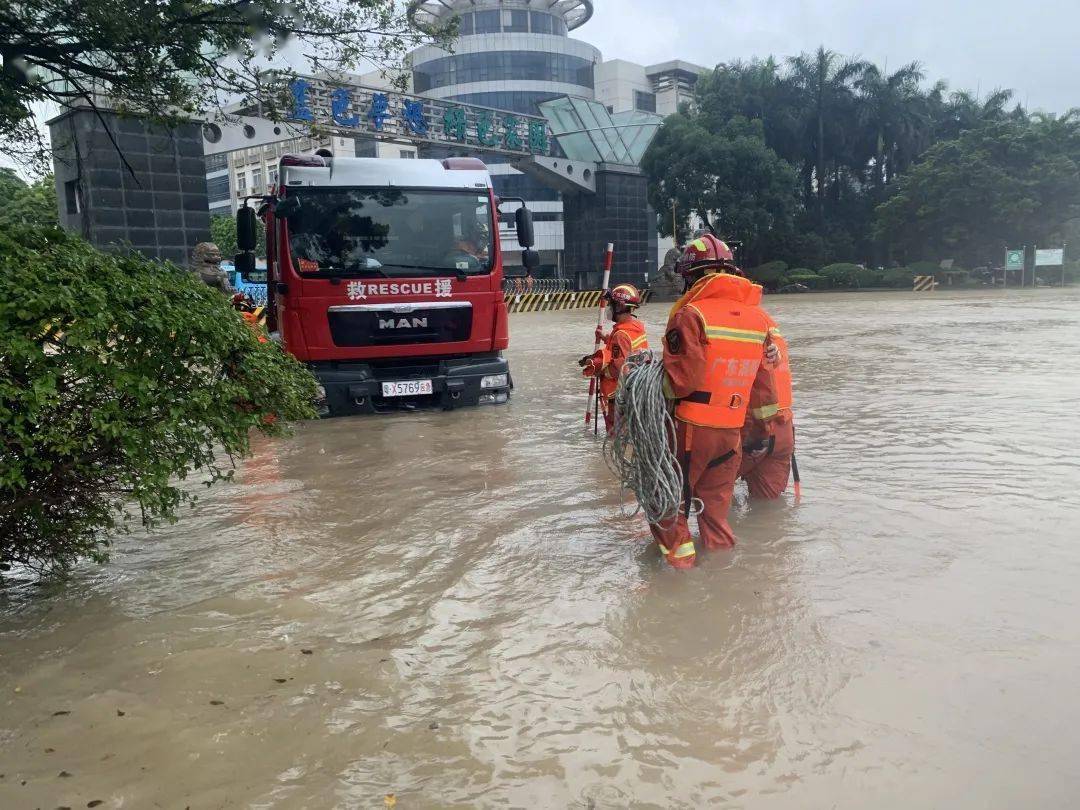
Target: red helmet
706, 251
625, 294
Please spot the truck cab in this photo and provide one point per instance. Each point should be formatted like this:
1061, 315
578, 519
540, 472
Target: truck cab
384, 276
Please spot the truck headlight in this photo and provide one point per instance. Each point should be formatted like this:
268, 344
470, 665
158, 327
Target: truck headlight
494, 381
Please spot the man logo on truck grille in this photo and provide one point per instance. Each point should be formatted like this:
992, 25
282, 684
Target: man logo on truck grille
359, 290
403, 323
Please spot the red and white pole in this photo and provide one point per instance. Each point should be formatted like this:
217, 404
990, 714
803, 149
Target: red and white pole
594, 387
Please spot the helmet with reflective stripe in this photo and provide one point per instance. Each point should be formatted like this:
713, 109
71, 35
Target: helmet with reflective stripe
625, 294
706, 251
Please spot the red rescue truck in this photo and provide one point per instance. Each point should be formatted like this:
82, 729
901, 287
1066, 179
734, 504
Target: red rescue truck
384, 276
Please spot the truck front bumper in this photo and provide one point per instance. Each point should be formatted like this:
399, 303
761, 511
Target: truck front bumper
357, 387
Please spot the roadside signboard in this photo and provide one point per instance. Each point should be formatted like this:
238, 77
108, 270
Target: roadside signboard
1014, 260
1053, 257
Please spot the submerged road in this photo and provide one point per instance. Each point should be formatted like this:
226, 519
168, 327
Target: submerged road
452, 608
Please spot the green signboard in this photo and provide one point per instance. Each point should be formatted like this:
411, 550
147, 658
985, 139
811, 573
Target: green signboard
1014, 260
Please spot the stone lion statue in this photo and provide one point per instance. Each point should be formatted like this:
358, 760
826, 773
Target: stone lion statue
206, 262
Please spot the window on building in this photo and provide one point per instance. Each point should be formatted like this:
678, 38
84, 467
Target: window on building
71, 195
522, 101
256, 181
215, 163
515, 21
487, 22
241, 181
541, 23
217, 188
466, 25
646, 102
407, 153
466, 68
271, 177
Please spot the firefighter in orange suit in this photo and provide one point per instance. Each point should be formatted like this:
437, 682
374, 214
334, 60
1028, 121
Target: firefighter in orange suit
769, 432
717, 365
626, 337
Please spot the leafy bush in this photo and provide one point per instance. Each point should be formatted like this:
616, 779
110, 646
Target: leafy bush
768, 274
842, 275
867, 277
925, 268
899, 277
808, 278
119, 377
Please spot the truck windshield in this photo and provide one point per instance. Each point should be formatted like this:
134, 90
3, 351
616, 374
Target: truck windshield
390, 232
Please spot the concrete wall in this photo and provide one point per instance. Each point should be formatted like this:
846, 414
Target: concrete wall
159, 206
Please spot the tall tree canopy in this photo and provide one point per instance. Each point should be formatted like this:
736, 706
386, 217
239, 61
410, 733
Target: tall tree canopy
23, 204
729, 177
851, 132
171, 59
992, 187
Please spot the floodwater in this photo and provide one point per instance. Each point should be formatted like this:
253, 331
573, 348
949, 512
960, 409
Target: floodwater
451, 608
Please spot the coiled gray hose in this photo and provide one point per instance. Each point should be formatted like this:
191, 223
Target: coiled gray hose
640, 449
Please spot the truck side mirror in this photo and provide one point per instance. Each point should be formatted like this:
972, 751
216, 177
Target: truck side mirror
524, 221
530, 259
244, 264
245, 229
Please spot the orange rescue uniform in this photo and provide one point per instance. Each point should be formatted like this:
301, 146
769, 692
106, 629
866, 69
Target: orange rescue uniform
607, 363
772, 425
714, 358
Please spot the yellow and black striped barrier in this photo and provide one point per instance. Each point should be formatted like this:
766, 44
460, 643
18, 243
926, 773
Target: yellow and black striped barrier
549, 302
925, 284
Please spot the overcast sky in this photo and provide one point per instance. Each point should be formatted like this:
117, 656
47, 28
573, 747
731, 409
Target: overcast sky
1030, 46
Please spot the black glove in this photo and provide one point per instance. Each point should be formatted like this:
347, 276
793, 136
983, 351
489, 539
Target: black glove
584, 361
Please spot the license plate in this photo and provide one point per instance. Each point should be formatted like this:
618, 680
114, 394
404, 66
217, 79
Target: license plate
408, 388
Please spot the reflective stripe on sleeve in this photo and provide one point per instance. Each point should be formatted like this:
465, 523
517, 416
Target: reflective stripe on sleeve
738, 335
765, 412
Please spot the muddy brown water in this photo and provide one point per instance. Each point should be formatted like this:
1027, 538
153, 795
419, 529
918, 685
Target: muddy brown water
451, 608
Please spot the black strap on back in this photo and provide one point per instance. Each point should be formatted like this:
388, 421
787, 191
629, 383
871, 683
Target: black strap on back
686, 484
794, 463
699, 397
716, 462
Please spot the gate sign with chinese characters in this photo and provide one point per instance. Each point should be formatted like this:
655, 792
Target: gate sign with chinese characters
359, 110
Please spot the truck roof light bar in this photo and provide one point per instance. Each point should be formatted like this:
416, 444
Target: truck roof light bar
470, 164
303, 160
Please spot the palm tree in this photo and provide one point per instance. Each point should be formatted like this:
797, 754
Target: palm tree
824, 81
964, 111
893, 112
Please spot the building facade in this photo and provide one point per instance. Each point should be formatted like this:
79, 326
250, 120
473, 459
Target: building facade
234, 175
516, 54
511, 55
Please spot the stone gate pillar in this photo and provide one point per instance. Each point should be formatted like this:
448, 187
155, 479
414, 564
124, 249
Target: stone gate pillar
618, 212
159, 206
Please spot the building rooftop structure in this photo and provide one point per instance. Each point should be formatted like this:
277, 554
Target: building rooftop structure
431, 15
